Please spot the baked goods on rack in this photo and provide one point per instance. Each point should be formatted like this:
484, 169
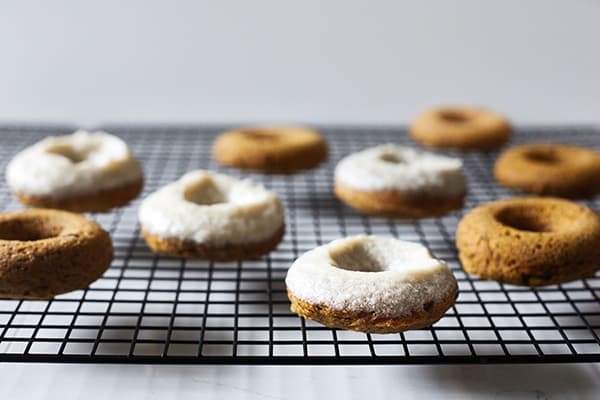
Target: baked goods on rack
466, 128
45, 252
78, 172
371, 284
212, 216
530, 241
397, 181
550, 169
270, 149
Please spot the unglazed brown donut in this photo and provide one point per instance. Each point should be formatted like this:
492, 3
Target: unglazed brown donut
531, 241
44, 253
270, 149
466, 128
550, 169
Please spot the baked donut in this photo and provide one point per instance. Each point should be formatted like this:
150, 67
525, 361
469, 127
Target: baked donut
44, 253
270, 149
371, 284
531, 241
398, 181
465, 128
550, 169
212, 216
78, 172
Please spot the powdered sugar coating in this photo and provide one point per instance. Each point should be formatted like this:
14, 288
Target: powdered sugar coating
46, 169
393, 167
212, 209
390, 277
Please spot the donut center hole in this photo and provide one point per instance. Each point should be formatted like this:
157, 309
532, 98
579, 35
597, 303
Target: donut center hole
27, 230
69, 152
358, 257
454, 117
543, 157
205, 193
260, 135
536, 218
391, 158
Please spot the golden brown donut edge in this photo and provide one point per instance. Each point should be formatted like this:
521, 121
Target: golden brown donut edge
44, 253
530, 241
230, 252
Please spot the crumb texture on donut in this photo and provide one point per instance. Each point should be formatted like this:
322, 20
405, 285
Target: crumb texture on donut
97, 202
530, 241
44, 253
366, 320
399, 181
371, 284
394, 204
466, 128
550, 169
270, 149
205, 211
224, 252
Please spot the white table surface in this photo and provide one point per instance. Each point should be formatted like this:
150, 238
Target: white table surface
131, 382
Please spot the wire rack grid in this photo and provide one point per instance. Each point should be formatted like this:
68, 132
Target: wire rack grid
151, 309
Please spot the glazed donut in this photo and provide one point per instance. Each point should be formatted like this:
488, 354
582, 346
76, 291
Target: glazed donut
212, 216
371, 284
530, 241
270, 149
44, 253
465, 128
550, 169
398, 181
78, 172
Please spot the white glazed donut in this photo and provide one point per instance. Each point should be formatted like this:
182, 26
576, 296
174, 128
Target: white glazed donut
212, 216
371, 284
400, 181
80, 172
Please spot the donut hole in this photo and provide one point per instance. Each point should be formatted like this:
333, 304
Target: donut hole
453, 116
391, 158
28, 230
543, 156
205, 193
535, 218
357, 257
260, 135
69, 152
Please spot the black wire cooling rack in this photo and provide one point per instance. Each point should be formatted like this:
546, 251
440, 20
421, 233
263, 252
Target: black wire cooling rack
150, 309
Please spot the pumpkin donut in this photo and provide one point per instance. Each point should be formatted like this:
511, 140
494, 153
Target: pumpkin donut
212, 216
464, 128
550, 169
44, 253
371, 284
531, 241
397, 181
270, 149
78, 172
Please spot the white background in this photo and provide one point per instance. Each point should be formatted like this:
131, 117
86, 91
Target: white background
315, 61
347, 61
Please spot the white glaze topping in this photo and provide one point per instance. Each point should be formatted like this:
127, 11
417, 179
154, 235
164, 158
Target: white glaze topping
70, 165
391, 277
393, 167
212, 209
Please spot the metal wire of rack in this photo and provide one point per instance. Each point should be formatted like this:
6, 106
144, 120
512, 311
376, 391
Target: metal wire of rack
151, 309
